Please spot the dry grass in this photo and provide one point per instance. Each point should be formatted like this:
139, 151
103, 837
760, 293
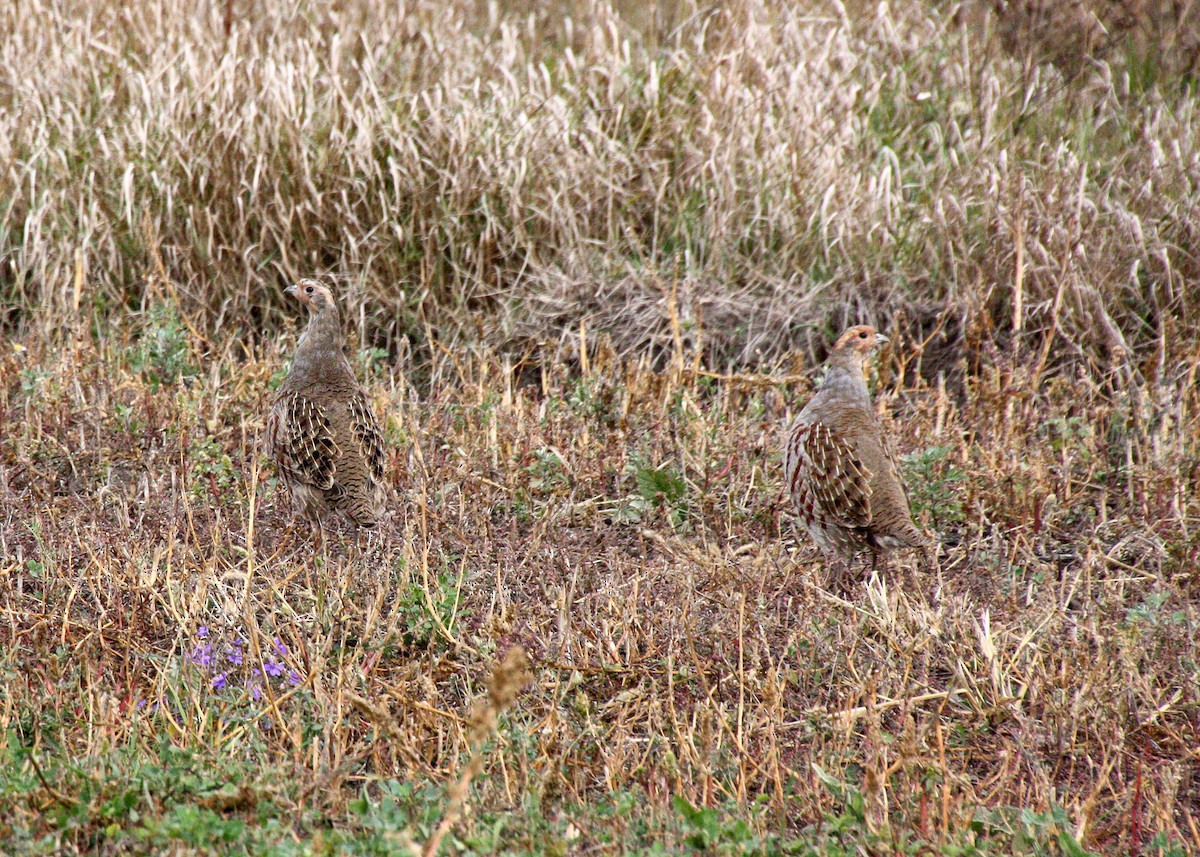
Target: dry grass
682, 646
592, 265
502, 175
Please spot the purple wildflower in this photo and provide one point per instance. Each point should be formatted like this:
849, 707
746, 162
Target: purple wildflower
273, 668
202, 655
218, 682
294, 677
280, 648
202, 631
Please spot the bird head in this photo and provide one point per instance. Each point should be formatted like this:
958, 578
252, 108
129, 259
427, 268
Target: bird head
314, 295
854, 347
861, 339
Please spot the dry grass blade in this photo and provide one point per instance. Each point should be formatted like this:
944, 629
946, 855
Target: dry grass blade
510, 676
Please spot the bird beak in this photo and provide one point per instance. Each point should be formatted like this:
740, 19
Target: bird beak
292, 290
880, 339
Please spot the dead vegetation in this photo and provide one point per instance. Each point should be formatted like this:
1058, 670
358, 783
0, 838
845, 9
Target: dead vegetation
474, 175
621, 526
598, 257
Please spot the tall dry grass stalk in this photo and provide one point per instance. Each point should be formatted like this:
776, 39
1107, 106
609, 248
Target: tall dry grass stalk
510, 676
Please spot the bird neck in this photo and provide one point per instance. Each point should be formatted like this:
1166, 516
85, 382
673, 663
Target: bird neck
845, 379
321, 341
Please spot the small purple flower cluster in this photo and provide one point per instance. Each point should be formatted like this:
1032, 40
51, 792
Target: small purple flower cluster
225, 664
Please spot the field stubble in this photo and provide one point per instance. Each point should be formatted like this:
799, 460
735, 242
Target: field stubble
622, 526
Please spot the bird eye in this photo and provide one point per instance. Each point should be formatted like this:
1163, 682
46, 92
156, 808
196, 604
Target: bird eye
308, 290
862, 334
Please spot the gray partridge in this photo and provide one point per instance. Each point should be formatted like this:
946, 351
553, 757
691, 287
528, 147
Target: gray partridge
322, 432
840, 468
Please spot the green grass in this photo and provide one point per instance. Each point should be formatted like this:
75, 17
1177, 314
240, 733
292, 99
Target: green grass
151, 799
